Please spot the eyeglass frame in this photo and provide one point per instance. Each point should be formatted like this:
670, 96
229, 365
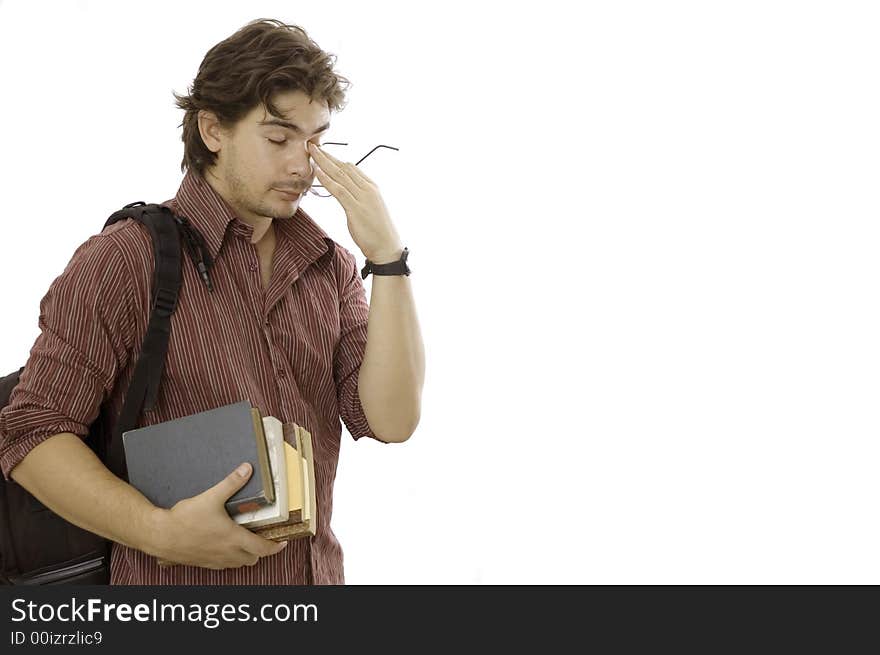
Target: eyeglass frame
337, 143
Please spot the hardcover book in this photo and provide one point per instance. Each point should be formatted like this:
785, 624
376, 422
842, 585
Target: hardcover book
178, 459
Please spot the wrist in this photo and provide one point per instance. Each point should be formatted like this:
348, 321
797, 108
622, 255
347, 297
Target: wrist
157, 531
386, 256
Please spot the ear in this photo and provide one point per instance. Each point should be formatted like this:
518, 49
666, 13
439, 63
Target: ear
210, 130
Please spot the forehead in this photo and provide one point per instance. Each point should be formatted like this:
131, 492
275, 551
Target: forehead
295, 107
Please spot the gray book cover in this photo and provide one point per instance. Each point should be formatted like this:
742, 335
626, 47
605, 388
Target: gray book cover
178, 459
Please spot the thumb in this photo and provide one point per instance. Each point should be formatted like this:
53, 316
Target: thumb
234, 481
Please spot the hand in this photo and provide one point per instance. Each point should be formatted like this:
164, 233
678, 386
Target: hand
368, 221
198, 531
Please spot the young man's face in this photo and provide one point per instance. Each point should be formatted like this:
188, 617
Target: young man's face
263, 167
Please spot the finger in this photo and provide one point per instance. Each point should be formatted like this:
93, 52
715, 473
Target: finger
232, 482
251, 558
254, 544
341, 192
324, 160
340, 171
323, 166
366, 181
352, 169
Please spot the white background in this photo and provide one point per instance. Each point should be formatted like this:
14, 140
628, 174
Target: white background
644, 247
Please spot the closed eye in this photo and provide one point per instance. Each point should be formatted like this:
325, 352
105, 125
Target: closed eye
281, 143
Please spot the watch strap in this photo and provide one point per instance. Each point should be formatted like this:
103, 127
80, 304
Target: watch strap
391, 268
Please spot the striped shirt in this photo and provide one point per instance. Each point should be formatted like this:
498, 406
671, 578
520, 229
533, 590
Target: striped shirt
292, 349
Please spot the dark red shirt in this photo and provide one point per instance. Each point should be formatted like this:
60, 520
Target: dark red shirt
293, 350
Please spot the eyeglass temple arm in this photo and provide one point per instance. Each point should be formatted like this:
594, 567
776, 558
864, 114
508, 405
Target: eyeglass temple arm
338, 143
374, 150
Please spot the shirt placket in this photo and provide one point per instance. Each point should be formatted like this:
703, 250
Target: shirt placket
285, 386
284, 274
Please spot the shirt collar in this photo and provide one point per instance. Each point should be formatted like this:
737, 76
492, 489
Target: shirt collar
208, 212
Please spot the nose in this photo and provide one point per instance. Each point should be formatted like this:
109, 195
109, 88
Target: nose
299, 165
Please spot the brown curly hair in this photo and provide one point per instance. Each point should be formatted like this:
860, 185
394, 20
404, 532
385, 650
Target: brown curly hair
264, 57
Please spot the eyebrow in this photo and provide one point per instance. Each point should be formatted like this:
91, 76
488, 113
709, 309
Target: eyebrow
291, 126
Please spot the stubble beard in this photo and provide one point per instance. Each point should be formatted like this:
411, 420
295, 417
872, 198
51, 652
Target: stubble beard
241, 195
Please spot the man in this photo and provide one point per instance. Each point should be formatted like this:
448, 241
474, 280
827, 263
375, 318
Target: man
286, 325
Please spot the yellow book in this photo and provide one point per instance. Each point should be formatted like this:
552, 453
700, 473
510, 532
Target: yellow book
294, 479
309, 456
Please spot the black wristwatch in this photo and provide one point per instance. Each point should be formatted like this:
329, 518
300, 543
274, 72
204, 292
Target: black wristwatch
392, 268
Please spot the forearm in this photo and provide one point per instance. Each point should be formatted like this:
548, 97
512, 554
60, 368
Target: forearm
67, 477
392, 373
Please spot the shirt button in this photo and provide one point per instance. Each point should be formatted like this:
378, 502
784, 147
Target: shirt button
282, 373
252, 266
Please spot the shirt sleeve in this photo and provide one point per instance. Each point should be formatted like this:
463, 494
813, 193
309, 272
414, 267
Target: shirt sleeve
87, 329
354, 313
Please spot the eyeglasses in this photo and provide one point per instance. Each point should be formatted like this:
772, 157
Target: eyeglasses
334, 143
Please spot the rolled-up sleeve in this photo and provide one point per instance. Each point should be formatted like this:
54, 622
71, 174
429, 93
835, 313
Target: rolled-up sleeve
87, 328
354, 312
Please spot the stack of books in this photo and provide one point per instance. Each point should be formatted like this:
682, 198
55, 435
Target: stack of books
178, 459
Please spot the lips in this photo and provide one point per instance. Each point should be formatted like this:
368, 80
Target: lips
290, 194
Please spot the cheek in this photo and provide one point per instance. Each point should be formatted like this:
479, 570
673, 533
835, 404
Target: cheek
255, 165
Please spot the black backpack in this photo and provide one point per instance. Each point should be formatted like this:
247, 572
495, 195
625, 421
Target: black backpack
38, 547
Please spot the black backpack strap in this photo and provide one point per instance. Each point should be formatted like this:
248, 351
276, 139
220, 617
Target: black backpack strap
192, 238
166, 230
144, 387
